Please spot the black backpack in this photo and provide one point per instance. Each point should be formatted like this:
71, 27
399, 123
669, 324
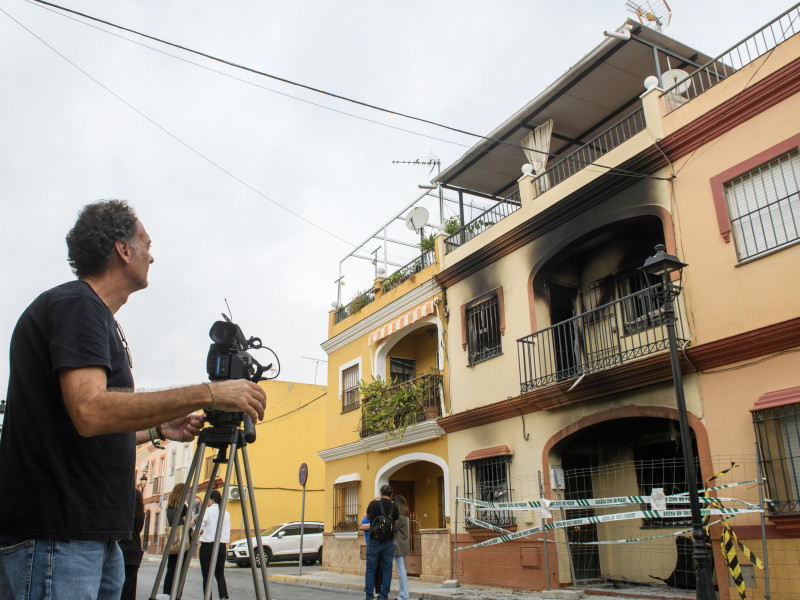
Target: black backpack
382, 527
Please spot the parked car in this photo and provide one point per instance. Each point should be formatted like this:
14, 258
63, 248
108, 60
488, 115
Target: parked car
282, 542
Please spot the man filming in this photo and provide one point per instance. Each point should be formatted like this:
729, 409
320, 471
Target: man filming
73, 419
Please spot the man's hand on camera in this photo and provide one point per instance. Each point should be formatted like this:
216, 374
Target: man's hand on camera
183, 429
240, 395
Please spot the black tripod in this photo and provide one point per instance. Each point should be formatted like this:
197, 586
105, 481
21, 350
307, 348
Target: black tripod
222, 438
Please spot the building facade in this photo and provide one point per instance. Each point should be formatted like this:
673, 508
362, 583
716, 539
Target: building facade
561, 385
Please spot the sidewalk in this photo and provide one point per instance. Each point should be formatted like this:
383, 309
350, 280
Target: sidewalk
440, 591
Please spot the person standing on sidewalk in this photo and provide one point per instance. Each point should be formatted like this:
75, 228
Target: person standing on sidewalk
402, 545
207, 532
380, 548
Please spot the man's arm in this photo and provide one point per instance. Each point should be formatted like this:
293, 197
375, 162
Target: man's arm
95, 409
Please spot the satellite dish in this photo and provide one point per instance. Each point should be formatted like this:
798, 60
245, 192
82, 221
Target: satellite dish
417, 218
678, 78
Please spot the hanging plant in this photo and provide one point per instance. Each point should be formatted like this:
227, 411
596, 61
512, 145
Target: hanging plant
389, 409
452, 225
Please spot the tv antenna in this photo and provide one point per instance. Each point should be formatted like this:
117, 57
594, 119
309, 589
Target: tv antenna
656, 15
318, 362
432, 162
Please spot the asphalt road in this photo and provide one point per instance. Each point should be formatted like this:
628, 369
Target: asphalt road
240, 584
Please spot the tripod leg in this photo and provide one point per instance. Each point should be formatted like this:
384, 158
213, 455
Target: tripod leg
220, 522
161, 567
247, 531
181, 567
252, 500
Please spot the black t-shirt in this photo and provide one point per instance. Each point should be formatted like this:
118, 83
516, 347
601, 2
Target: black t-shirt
55, 483
389, 509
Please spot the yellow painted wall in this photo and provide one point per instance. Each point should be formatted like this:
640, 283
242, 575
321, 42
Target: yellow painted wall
419, 346
291, 433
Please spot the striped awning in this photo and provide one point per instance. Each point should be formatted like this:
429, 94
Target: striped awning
404, 321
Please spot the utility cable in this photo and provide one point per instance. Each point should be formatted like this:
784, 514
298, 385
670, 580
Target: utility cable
340, 97
299, 408
179, 140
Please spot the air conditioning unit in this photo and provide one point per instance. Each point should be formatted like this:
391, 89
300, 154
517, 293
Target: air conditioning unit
233, 493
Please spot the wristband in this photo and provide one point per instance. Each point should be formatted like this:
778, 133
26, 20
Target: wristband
213, 399
153, 439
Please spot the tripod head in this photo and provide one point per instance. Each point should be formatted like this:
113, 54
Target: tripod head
228, 358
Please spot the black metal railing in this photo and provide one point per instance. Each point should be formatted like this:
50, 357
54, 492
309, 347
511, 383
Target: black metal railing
726, 64
609, 335
426, 259
601, 144
483, 221
355, 305
429, 406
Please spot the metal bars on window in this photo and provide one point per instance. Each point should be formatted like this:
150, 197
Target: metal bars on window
483, 330
764, 206
345, 506
778, 435
350, 389
487, 479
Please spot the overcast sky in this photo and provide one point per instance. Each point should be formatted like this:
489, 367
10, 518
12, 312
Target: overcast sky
208, 154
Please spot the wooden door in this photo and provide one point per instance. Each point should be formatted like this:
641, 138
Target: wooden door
414, 560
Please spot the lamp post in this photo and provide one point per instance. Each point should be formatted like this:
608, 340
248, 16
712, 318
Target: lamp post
663, 265
143, 481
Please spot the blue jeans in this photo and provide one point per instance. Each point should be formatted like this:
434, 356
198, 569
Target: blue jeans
53, 569
383, 552
400, 561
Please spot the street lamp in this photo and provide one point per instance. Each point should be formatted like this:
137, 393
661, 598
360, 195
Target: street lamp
143, 481
663, 265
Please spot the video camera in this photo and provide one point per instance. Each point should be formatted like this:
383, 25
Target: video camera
228, 358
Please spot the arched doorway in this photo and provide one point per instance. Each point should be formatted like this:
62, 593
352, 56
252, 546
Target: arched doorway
422, 479
622, 457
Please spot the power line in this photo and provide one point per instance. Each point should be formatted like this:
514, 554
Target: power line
339, 96
179, 140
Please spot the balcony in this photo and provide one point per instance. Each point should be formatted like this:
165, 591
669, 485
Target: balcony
726, 64
355, 305
607, 336
402, 406
157, 485
566, 167
403, 273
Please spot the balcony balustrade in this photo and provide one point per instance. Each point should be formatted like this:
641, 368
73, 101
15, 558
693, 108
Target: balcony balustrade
609, 335
403, 273
601, 144
729, 62
428, 405
355, 305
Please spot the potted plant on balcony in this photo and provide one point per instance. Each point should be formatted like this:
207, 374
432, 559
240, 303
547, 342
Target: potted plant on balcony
389, 409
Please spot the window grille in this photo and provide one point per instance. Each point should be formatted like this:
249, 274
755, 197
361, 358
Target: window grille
483, 330
350, 388
487, 479
778, 435
345, 506
764, 206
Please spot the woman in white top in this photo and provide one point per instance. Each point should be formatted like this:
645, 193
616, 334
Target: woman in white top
208, 530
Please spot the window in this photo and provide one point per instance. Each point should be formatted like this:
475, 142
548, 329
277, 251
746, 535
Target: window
778, 436
345, 506
642, 309
350, 388
764, 205
172, 458
483, 329
401, 369
487, 479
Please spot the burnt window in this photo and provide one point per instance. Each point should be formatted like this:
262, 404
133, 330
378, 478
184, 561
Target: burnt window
778, 435
641, 305
350, 388
483, 329
764, 206
661, 465
487, 479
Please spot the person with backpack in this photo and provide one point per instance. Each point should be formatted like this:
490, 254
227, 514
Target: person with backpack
382, 515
